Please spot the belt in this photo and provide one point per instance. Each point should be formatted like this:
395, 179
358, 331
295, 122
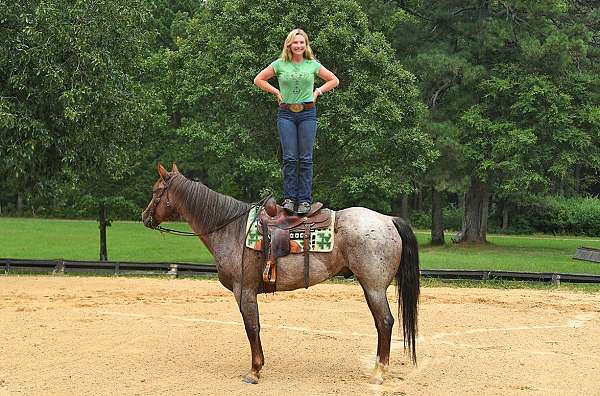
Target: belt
297, 107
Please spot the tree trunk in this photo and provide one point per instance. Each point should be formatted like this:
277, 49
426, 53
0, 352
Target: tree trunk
19, 204
475, 215
419, 199
437, 221
505, 213
404, 207
176, 119
103, 225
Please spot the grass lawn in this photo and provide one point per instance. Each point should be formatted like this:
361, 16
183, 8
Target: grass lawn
131, 241
530, 253
79, 240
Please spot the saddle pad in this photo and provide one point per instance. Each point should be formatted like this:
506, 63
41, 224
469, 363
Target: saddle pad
321, 240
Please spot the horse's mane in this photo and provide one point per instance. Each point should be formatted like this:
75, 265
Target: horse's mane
206, 208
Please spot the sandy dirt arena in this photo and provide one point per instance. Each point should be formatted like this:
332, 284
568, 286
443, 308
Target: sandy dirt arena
149, 336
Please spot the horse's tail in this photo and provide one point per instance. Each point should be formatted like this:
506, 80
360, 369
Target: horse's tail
407, 279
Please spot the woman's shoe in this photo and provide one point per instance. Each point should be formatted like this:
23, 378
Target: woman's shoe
288, 205
303, 208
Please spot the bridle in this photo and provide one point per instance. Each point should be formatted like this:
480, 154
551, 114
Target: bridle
164, 190
155, 203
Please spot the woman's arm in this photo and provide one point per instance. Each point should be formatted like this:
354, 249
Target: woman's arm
331, 81
261, 82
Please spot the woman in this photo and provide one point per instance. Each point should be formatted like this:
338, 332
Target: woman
297, 115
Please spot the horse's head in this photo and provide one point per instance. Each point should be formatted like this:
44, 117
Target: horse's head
160, 207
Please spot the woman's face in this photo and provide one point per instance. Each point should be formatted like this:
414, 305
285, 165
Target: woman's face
298, 45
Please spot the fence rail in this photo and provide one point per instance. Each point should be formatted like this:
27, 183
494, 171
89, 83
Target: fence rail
61, 266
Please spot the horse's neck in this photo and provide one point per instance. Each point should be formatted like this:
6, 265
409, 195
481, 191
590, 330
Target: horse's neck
206, 211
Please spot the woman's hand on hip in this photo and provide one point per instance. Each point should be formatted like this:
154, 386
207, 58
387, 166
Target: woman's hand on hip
278, 96
315, 96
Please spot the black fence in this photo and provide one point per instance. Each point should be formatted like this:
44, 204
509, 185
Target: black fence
62, 266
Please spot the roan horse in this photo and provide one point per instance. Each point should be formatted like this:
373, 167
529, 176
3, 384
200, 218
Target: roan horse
372, 246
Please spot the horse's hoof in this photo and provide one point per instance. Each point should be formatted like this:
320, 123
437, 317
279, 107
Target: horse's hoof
376, 380
250, 379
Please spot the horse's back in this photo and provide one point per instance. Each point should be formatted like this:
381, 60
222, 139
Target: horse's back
359, 222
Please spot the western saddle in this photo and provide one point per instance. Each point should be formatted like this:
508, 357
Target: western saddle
276, 225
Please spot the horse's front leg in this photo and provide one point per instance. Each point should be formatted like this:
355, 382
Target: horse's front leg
249, 310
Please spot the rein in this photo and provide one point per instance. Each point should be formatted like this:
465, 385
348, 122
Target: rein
260, 204
162, 229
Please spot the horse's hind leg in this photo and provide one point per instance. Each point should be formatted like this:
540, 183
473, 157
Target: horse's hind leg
384, 322
249, 310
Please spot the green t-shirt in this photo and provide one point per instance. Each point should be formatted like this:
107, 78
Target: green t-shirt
296, 80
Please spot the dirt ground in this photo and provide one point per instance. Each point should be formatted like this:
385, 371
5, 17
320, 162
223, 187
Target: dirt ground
148, 336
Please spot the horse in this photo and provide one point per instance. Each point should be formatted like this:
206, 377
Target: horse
372, 246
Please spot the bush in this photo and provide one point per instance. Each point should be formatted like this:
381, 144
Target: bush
559, 215
519, 224
420, 219
452, 218
550, 215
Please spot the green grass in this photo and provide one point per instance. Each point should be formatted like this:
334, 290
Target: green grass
131, 241
506, 284
536, 253
79, 240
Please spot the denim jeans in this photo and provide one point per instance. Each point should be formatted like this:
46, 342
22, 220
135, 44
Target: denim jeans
297, 132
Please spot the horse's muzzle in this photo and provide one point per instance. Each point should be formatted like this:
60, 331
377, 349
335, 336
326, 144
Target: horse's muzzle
147, 220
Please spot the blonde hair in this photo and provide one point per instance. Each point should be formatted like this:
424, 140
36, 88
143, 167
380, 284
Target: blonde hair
286, 53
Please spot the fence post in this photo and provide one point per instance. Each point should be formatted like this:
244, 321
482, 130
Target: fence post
59, 268
172, 270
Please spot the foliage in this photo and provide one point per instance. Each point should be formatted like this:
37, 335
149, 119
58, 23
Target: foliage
369, 135
452, 218
520, 223
573, 216
540, 135
512, 89
167, 18
73, 111
94, 93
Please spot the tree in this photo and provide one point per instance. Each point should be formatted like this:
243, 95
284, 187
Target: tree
167, 18
369, 136
73, 109
507, 77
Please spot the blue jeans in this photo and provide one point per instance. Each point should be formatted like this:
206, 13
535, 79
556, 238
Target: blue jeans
297, 132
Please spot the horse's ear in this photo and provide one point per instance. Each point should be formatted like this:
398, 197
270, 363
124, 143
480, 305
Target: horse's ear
163, 172
174, 168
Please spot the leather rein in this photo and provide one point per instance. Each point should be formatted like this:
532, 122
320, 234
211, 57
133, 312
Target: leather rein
160, 228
